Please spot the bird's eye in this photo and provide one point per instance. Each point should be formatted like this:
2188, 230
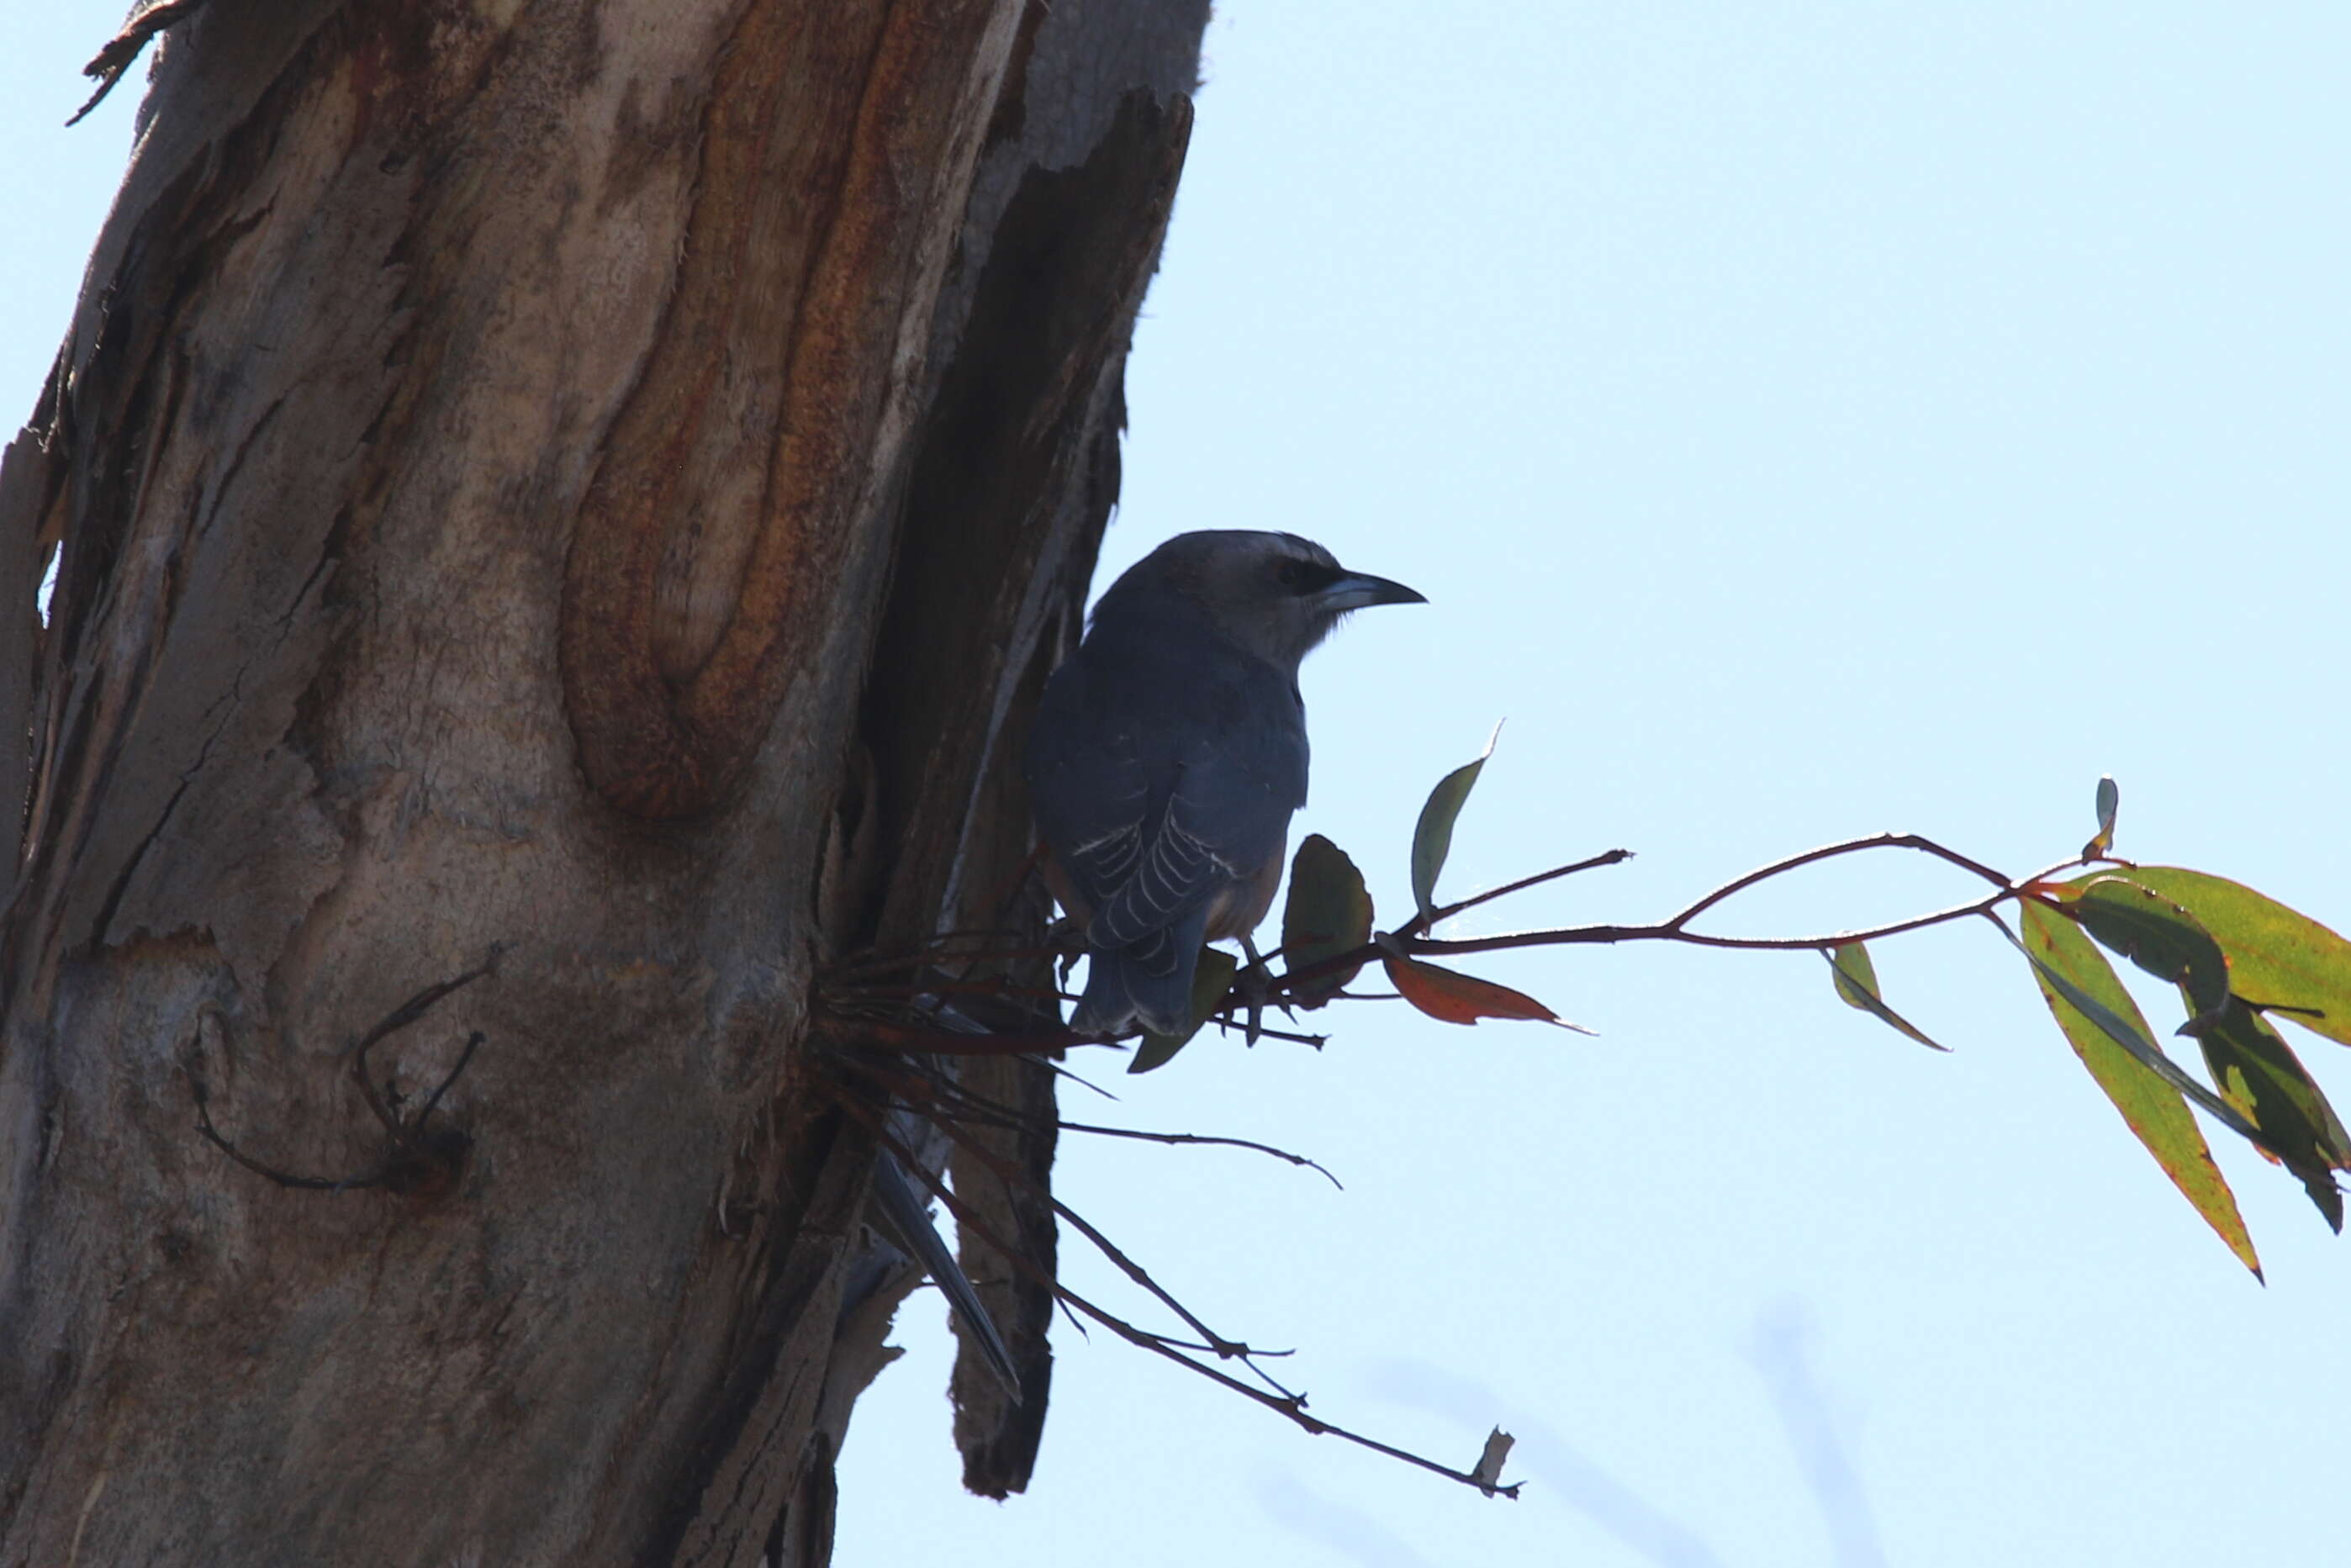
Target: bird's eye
1304, 576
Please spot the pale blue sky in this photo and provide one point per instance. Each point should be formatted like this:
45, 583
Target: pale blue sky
1804, 422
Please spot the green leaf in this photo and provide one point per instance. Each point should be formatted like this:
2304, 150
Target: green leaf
2109, 800
2132, 1034
1210, 981
2154, 933
1856, 982
2262, 1076
2106, 1032
2277, 959
1329, 913
1432, 836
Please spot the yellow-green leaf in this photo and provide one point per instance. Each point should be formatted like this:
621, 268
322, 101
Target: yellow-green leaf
1329, 913
1210, 981
1432, 836
2097, 1016
2277, 957
1856, 982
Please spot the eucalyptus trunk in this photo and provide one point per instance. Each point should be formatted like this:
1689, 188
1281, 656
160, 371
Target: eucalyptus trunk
584, 489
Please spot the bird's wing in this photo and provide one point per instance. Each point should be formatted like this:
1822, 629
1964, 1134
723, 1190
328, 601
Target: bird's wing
1226, 815
1161, 782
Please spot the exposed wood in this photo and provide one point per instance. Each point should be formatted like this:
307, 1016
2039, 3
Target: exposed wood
772, 414
598, 481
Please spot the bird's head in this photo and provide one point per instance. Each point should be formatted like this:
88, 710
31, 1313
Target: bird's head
1274, 595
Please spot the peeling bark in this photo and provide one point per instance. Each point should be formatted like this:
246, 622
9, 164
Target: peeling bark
602, 482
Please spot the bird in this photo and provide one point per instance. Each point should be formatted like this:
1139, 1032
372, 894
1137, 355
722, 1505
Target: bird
1169, 752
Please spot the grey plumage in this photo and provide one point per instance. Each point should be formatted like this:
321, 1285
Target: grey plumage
906, 1216
1170, 752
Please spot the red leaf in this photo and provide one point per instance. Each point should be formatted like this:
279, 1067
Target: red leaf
1451, 996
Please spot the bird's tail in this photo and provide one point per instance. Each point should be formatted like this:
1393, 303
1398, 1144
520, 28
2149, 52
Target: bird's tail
1149, 983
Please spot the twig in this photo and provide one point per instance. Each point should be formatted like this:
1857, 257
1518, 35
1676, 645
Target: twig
996, 1112
472, 1043
283, 1178
1675, 930
1570, 935
1826, 852
1224, 1019
1012, 1176
1314, 1165
413, 1161
1676, 927
1223, 1346
400, 1018
1079, 1079
1292, 1407
1420, 923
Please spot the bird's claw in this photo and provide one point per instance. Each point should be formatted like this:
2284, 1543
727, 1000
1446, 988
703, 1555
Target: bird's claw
1255, 986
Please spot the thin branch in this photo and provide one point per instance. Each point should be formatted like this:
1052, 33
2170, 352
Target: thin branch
1826, 852
1570, 935
1077, 1078
1226, 1348
968, 1104
1012, 1176
472, 1043
1420, 923
1209, 1349
424, 1001
1224, 1019
283, 1178
1314, 1165
1292, 1407
1676, 927
408, 1012
409, 1154
1232, 1348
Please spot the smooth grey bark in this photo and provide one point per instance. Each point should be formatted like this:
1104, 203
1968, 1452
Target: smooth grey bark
591, 484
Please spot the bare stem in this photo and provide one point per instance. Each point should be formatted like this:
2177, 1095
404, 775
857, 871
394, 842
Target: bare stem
1826, 852
1676, 928
1420, 923
1014, 1177
1290, 1405
945, 1097
1570, 935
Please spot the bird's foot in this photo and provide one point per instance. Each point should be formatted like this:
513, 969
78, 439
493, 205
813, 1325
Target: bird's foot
1255, 986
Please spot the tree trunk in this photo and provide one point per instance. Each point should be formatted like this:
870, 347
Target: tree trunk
591, 484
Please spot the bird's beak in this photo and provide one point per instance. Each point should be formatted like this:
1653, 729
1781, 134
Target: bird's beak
1355, 591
